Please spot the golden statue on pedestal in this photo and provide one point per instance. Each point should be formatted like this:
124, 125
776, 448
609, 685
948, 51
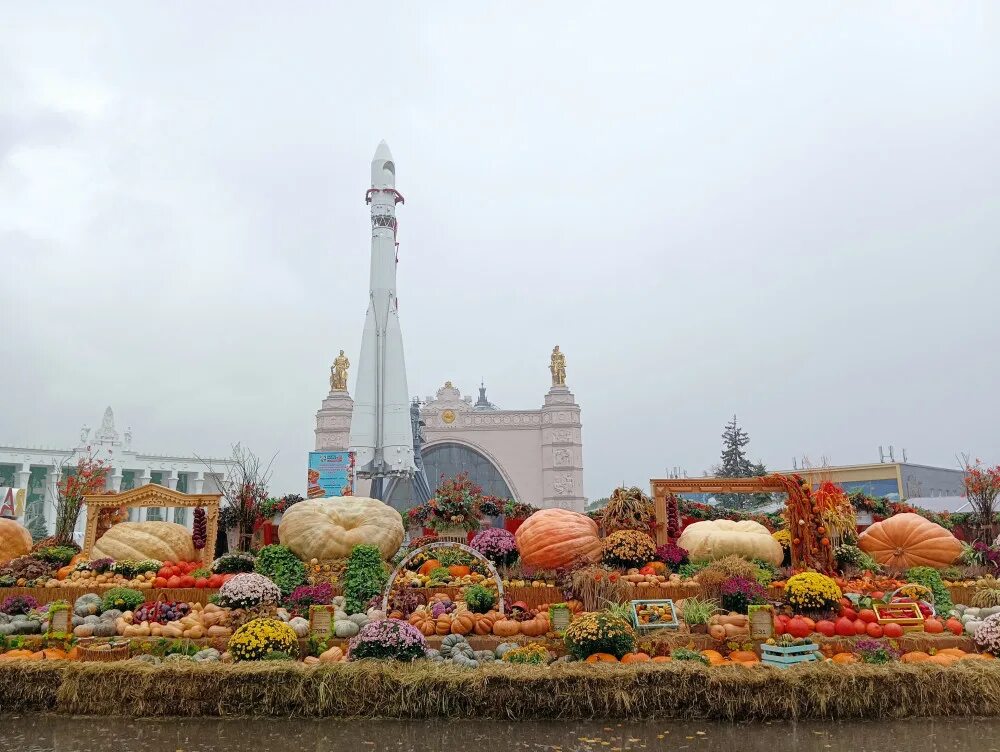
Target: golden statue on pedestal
338, 373
558, 367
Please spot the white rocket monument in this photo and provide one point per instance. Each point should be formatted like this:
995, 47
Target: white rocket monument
381, 436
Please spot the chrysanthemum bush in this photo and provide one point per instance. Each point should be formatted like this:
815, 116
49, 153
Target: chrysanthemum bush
812, 591
628, 548
18, 604
388, 638
255, 639
599, 632
738, 593
672, 555
249, 590
497, 545
534, 654
987, 635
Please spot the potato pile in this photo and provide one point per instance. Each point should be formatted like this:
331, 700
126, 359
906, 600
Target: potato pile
202, 621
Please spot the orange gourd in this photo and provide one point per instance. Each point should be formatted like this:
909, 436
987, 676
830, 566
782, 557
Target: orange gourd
463, 623
942, 660
484, 625
12, 654
506, 628
661, 659
458, 570
953, 652
743, 656
73, 654
555, 538
635, 658
601, 658
429, 566
52, 654
908, 540
914, 656
535, 627
933, 626
717, 632
443, 625
845, 658
714, 657
975, 657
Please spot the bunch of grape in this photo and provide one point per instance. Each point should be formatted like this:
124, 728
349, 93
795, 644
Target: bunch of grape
161, 611
200, 533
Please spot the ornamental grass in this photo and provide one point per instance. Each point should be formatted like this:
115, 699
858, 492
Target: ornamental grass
384, 689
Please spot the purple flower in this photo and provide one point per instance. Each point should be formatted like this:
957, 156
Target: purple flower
671, 554
496, 544
388, 638
18, 604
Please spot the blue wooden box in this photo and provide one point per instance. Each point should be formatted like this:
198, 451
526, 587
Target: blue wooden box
783, 657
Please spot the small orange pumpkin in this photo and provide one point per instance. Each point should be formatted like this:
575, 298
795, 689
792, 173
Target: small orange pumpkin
914, 656
12, 654
458, 570
601, 658
743, 656
845, 658
661, 659
429, 566
635, 658
714, 657
506, 628
942, 660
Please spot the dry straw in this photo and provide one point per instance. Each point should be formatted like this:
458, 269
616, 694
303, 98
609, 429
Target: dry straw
374, 689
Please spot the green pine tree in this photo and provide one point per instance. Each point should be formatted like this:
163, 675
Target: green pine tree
735, 464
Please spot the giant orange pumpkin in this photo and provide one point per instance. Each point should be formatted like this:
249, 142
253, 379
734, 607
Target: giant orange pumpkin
908, 540
15, 540
554, 538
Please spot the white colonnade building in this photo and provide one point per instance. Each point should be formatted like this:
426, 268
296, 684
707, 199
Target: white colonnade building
38, 470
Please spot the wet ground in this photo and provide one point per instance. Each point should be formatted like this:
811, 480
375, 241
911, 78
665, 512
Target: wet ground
64, 734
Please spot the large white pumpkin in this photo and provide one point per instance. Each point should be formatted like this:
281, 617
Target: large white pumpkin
329, 528
163, 541
714, 539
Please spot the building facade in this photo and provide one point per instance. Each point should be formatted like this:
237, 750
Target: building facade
38, 470
896, 480
533, 455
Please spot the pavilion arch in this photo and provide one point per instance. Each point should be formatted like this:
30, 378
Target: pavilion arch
471, 450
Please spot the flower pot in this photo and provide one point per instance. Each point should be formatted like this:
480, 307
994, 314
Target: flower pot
511, 526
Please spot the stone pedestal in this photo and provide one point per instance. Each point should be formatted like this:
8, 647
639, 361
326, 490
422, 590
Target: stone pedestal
562, 451
333, 423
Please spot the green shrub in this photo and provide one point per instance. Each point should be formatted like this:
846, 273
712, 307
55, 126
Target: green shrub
364, 577
686, 654
479, 599
56, 554
284, 568
931, 578
233, 564
124, 599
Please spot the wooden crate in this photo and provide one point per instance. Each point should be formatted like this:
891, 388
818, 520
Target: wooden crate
637, 606
783, 657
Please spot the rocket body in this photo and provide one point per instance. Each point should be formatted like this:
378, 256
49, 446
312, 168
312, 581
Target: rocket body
381, 436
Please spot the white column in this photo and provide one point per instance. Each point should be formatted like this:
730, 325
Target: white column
197, 481
115, 479
52, 500
171, 479
143, 479
24, 476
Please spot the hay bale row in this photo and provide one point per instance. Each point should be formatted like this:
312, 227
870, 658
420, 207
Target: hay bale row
375, 689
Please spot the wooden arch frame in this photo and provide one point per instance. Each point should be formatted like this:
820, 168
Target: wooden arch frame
153, 495
775, 483
443, 544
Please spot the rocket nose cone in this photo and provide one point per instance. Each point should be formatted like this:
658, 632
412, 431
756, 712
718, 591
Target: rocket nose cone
382, 153
383, 168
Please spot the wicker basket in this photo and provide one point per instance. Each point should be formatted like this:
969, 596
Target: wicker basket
104, 652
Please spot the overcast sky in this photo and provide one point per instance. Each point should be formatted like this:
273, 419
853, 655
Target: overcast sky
790, 211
